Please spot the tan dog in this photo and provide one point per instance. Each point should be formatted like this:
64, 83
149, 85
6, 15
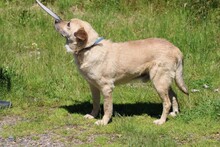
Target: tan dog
105, 64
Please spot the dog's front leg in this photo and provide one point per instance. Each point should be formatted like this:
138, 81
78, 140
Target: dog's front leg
96, 102
108, 106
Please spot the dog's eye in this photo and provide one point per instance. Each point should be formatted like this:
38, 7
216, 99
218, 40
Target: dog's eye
68, 24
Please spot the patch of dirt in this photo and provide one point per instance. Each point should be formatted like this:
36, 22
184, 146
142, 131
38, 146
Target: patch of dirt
215, 136
49, 138
43, 140
10, 121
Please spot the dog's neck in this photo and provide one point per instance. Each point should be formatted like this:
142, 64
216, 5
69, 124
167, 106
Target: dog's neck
90, 47
80, 54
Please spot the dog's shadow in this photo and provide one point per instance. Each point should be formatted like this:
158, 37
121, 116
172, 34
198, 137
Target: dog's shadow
151, 109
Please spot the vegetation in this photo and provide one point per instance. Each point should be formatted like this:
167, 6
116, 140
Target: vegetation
49, 95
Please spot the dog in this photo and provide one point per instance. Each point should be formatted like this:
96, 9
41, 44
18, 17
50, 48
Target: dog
105, 64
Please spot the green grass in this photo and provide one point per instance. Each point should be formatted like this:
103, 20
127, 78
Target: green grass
49, 95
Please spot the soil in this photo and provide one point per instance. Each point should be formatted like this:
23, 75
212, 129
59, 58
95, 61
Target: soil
48, 139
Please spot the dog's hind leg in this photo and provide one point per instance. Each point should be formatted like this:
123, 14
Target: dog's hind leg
96, 102
175, 105
162, 82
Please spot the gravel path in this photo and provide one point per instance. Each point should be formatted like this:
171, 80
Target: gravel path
48, 139
43, 140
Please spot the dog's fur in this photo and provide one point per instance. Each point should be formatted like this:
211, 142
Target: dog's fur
107, 64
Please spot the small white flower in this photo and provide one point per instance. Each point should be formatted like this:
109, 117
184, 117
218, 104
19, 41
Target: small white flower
205, 86
216, 90
195, 90
34, 44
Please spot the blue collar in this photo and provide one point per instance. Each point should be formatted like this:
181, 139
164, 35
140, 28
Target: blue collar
94, 44
98, 40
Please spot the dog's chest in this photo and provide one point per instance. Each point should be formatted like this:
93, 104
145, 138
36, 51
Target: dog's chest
90, 65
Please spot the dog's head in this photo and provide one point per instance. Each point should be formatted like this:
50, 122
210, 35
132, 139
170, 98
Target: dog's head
79, 34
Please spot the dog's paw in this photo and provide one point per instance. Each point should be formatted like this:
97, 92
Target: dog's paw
159, 122
173, 114
88, 116
101, 122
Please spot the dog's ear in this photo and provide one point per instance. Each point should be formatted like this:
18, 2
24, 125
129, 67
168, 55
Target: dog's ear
81, 37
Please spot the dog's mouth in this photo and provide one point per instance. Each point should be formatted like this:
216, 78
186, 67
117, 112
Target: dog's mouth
61, 31
65, 35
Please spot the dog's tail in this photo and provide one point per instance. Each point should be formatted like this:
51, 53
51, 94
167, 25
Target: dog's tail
179, 77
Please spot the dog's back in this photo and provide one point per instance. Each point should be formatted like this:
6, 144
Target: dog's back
137, 58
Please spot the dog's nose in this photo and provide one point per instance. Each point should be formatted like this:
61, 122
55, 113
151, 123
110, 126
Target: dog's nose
57, 21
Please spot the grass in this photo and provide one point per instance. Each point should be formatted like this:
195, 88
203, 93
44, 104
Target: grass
49, 95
